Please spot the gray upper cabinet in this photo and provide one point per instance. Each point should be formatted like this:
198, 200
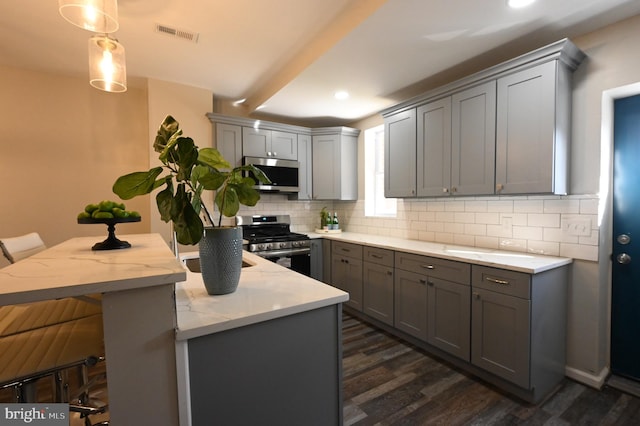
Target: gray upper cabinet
473, 135
503, 130
434, 148
228, 140
335, 163
269, 143
305, 172
533, 129
399, 154
456, 143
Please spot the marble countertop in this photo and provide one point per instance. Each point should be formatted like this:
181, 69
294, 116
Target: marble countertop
266, 291
510, 260
73, 269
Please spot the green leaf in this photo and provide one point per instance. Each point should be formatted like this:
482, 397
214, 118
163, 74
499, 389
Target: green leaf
257, 173
186, 157
188, 226
168, 129
164, 200
246, 194
137, 183
227, 201
211, 157
213, 179
186, 221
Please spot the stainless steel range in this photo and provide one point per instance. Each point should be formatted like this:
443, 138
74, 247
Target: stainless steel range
270, 236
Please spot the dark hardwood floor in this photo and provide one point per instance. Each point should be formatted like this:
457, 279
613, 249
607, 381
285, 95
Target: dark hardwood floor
390, 382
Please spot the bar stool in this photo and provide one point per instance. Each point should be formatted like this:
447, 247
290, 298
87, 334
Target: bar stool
47, 338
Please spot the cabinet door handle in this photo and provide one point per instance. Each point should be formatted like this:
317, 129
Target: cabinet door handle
428, 266
430, 283
346, 261
422, 281
499, 187
445, 190
454, 189
497, 281
376, 256
345, 249
476, 295
389, 272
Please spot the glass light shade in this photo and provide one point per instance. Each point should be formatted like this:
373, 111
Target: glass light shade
99, 16
107, 67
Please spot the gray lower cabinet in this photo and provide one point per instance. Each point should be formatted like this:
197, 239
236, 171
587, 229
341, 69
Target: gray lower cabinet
283, 371
448, 316
432, 301
377, 278
411, 303
346, 271
519, 327
505, 326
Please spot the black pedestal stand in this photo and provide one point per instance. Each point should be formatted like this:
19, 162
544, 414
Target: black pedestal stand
111, 243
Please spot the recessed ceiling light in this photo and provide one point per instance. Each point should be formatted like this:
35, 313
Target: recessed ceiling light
341, 95
517, 4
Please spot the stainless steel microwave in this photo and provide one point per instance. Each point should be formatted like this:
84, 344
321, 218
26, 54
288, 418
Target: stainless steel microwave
282, 173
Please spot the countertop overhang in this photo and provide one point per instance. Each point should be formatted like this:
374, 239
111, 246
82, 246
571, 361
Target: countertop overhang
511, 260
266, 291
72, 269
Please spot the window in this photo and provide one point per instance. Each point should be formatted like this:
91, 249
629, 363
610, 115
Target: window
374, 202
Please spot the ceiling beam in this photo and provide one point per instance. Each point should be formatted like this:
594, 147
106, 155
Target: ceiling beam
349, 18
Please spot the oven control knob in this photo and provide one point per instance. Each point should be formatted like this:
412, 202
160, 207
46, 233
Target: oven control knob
262, 246
283, 245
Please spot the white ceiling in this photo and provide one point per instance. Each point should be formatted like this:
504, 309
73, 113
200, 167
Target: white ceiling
244, 46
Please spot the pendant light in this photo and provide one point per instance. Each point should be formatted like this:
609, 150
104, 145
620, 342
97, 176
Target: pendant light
107, 69
99, 16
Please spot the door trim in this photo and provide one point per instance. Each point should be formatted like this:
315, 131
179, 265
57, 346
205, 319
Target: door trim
605, 208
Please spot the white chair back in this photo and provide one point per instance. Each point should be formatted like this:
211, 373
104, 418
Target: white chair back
18, 248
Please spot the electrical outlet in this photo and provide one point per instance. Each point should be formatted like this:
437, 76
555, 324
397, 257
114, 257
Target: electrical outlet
577, 227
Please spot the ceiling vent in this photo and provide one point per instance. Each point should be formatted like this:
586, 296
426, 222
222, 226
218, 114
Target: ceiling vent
174, 32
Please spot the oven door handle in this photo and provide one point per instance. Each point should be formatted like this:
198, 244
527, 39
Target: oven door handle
283, 253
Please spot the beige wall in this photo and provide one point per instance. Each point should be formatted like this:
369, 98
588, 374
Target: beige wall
63, 145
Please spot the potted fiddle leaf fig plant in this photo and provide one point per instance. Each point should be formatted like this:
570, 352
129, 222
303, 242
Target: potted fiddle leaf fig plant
189, 172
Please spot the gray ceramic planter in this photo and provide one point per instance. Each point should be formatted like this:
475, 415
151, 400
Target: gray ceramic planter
221, 259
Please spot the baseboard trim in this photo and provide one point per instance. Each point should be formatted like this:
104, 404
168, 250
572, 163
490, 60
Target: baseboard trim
621, 383
594, 381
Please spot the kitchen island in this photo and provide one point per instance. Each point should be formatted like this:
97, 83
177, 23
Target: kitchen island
276, 340
270, 351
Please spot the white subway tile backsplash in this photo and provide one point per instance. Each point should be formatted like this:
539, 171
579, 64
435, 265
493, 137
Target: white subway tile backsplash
534, 224
544, 220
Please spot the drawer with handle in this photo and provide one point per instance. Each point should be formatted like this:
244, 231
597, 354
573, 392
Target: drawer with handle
379, 256
501, 281
346, 249
434, 267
